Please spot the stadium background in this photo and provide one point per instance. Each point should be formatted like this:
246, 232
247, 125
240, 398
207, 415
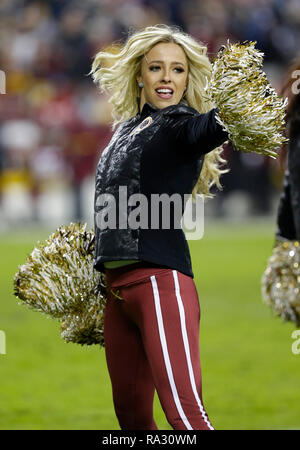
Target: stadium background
53, 126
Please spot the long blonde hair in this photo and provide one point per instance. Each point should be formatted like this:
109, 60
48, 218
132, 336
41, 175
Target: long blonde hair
116, 70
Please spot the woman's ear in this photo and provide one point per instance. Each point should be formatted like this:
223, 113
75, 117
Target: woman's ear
139, 82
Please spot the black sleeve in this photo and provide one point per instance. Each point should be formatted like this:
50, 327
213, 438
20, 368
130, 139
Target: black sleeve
201, 132
285, 218
294, 170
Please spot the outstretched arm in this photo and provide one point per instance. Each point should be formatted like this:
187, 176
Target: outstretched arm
201, 132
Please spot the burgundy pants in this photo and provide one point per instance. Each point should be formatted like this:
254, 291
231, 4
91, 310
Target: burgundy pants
152, 342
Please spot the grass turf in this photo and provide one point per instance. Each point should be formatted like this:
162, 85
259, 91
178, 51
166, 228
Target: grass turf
250, 375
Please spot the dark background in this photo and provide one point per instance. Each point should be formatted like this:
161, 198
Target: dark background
54, 123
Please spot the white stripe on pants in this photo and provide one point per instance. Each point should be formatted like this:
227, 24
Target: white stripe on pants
186, 348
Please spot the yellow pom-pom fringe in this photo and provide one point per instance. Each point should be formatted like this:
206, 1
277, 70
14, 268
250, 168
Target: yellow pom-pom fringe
249, 108
281, 281
58, 279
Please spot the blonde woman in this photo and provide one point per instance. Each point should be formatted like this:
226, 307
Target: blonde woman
167, 143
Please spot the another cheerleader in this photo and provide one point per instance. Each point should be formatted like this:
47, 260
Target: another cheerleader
281, 279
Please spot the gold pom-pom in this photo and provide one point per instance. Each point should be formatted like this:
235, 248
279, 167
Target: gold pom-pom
281, 281
58, 279
249, 108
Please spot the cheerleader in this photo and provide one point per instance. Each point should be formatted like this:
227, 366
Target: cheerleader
288, 215
281, 278
168, 135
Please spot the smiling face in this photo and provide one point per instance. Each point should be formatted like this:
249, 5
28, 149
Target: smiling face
164, 72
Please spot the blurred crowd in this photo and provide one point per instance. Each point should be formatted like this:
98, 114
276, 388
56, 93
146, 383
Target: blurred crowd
54, 123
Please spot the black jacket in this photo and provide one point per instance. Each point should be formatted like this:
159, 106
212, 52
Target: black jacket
288, 216
157, 151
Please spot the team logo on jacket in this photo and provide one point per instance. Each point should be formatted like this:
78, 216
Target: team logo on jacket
146, 122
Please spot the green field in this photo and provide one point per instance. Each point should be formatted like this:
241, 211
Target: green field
250, 375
